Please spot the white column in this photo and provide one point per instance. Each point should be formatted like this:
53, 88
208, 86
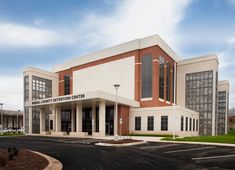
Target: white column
79, 117
72, 118
42, 120
53, 111
102, 111
58, 119
30, 120
93, 117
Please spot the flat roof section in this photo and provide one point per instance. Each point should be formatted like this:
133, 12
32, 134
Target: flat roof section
118, 49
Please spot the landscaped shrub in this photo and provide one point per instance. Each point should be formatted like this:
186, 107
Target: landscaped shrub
10, 156
15, 151
9, 149
2, 162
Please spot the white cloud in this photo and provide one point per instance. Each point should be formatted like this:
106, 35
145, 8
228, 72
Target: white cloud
134, 19
11, 92
26, 36
131, 19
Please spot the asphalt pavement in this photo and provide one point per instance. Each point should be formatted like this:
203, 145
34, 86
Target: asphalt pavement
76, 154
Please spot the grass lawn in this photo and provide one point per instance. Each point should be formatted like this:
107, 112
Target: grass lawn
229, 138
151, 135
11, 134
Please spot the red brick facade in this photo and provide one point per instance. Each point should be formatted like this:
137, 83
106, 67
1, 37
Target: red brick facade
155, 52
123, 111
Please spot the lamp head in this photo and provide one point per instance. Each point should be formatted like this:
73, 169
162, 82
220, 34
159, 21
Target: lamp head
116, 85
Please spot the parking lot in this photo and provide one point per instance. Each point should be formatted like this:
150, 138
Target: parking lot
82, 154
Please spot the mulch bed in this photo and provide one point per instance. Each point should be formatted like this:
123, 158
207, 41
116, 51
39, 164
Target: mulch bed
121, 141
24, 160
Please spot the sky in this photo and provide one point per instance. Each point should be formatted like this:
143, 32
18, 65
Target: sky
43, 33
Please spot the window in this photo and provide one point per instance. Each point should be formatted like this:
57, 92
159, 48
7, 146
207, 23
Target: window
161, 77
168, 86
164, 123
147, 76
186, 127
137, 123
150, 122
190, 124
26, 88
51, 124
193, 124
66, 84
197, 125
182, 123
41, 88
198, 97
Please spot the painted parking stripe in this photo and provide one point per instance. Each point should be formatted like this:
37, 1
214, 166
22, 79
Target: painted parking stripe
187, 150
213, 157
157, 147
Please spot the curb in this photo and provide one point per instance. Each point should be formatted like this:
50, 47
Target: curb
199, 143
121, 145
53, 163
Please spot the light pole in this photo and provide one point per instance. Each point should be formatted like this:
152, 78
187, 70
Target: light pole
174, 98
116, 138
1, 104
18, 119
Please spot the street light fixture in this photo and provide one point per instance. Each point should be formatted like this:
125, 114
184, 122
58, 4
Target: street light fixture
116, 137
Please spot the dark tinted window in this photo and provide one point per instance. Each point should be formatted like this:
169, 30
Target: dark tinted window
137, 123
150, 122
164, 123
146, 76
66, 85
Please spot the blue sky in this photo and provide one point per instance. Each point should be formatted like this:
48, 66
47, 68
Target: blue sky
43, 33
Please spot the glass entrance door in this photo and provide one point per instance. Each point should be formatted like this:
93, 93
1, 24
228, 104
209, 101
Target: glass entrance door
109, 120
66, 121
87, 120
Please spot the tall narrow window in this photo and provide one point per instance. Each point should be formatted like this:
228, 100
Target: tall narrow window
197, 125
190, 124
186, 127
194, 125
168, 86
137, 123
182, 123
150, 123
161, 77
147, 76
164, 123
66, 85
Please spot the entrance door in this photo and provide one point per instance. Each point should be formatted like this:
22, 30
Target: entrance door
109, 120
87, 120
66, 121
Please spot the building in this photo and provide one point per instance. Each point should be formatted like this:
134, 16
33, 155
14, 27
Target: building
231, 123
223, 107
78, 97
231, 112
10, 119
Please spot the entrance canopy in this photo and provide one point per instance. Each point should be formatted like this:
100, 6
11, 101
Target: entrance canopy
95, 95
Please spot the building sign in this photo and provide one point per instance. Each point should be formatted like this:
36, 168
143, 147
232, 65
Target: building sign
58, 99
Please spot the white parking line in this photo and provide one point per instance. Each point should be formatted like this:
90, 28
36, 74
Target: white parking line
157, 147
213, 157
194, 149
